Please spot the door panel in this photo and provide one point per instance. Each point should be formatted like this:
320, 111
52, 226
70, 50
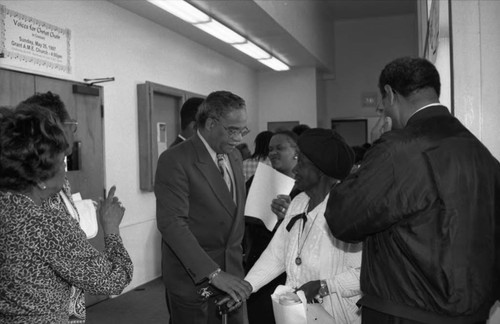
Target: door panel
88, 179
166, 111
86, 109
15, 87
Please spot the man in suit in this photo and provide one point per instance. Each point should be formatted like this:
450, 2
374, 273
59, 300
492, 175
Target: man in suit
188, 119
426, 204
200, 194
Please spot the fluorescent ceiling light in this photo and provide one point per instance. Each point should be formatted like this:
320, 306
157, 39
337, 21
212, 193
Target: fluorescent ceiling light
216, 29
198, 18
275, 64
183, 10
252, 50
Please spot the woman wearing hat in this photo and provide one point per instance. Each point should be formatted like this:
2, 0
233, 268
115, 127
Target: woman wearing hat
303, 246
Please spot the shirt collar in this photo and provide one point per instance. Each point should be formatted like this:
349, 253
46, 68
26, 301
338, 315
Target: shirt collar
424, 107
182, 137
210, 150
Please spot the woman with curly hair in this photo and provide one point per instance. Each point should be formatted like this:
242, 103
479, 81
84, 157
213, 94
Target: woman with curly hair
43, 251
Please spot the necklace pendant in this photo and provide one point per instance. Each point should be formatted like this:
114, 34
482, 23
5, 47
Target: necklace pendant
298, 261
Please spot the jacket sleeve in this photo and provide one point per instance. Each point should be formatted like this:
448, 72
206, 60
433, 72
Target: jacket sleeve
58, 241
391, 184
271, 262
172, 209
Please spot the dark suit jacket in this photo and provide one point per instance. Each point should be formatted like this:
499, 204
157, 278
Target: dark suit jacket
201, 226
178, 140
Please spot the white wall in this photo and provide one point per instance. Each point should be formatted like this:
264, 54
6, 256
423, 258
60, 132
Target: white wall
476, 68
363, 48
287, 96
305, 21
110, 41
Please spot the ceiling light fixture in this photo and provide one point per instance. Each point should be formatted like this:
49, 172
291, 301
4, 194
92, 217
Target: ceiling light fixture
198, 18
275, 64
183, 10
252, 50
218, 30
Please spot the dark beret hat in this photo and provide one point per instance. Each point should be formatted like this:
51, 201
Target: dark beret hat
328, 151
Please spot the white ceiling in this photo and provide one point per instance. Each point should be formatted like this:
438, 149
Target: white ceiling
250, 20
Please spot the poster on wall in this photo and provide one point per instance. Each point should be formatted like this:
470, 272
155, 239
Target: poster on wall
28, 43
432, 40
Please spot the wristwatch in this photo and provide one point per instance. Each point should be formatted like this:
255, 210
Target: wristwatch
323, 289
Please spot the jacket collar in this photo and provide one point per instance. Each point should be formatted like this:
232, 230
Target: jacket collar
429, 112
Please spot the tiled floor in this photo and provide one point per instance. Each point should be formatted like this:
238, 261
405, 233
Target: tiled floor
143, 305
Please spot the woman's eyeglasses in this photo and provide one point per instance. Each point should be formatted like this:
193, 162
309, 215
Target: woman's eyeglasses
72, 124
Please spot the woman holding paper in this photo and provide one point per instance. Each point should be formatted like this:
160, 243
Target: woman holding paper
283, 153
323, 267
63, 199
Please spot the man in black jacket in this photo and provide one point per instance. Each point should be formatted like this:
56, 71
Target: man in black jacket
426, 204
188, 119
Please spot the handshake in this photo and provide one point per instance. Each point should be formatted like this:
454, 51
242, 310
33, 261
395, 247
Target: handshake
228, 291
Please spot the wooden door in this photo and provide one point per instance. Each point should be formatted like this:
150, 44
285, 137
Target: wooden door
158, 109
88, 179
84, 104
15, 87
166, 112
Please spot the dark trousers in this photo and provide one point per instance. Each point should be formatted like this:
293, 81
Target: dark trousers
260, 305
192, 310
371, 316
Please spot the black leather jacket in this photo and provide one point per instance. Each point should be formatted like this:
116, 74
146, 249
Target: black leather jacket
426, 203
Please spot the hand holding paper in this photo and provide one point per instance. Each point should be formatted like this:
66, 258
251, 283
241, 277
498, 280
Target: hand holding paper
267, 184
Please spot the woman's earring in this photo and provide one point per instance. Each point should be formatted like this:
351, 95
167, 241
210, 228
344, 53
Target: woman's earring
295, 157
41, 185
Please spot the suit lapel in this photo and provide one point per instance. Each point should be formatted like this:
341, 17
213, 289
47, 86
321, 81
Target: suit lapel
213, 177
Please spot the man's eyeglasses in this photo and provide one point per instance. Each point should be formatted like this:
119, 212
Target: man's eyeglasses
232, 131
73, 125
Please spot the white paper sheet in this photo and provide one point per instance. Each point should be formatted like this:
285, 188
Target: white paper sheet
88, 215
266, 185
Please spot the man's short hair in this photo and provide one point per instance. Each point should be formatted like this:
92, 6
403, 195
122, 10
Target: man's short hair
51, 101
188, 111
217, 105
299, 129
408, 74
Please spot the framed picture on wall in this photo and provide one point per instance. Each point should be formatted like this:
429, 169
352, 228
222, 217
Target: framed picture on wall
282, 125
353, 130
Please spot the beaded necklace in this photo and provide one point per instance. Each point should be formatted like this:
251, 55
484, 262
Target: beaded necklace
27, 197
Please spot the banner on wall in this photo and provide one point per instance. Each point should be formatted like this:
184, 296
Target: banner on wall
31, 44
